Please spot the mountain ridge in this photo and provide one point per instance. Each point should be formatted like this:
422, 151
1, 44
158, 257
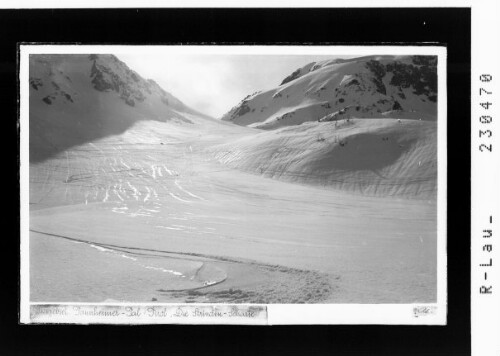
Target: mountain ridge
362, 87
76, 98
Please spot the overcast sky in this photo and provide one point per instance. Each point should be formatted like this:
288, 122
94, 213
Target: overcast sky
213, 84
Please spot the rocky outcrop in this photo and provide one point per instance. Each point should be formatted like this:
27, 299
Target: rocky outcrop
422, 77
379, 73
78, 98
104, 78
36, 83
291, 77
372, 86
107, 74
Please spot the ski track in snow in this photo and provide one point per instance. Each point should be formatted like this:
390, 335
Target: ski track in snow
167, 170
177, 198
123, 163
290, 225
187, 192
135, 260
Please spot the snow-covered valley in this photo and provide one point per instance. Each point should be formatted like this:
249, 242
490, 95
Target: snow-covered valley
155, 202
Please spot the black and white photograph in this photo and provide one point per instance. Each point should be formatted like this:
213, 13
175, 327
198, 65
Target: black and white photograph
236, 175
235, 178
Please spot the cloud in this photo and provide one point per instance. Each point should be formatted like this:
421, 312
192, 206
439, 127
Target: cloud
213, 84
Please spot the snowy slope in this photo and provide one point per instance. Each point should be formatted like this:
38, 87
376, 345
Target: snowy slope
78, 98
136, 198
276, 242
382, 157
365, 87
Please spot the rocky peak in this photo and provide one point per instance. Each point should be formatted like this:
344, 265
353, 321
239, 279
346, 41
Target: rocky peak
370, 86
51, 74
108, 73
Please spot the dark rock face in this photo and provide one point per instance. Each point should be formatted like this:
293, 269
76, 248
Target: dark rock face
98, 80
379, 72
242, 110
377, 68
422, 78
313, 67
397, 106
425, 60
68, 97
104, 79
36, 83
48, 100
291, 77
64, 102
134, 77
353, 82
53, 96
130, 102
373, 85
421, 75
